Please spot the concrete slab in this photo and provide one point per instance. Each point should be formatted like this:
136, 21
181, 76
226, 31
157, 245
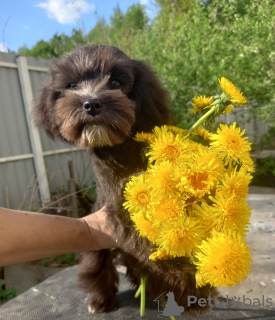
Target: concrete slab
24, 276
59, 298
261, 190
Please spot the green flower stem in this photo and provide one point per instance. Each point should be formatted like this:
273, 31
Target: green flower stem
203, 118
138, 292
172, 317
142, 296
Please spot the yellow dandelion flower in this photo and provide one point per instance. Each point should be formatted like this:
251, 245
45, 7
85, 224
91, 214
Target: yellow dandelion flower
229, 143
233, 94
168, 208
247, 162
201, 103
207, 220
200, 281
138, 196
197, 183
235, 183
161, 131
202, 152
209, 224
190, 211
201, 174
160, 255
180, 236
230, 169
178, 130
229, 109
145, 227
227, 213
161, 179
224, 260
166, 147
192, 146
202, 132
144, 137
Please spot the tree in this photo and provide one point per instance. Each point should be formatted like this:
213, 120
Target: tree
123, 28
175, 6
42, 49
100, 34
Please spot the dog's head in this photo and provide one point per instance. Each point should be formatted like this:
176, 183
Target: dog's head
97, 95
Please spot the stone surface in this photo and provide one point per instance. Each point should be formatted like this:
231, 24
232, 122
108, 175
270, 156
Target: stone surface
261, 190
24, 276
59, 297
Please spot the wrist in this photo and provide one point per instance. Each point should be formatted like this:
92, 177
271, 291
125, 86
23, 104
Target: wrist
88, 240
99, 234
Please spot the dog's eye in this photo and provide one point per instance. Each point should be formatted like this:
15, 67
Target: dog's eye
115, 83
72, 86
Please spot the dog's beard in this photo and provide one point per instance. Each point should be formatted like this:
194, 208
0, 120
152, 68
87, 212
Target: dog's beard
98, 136
112, 126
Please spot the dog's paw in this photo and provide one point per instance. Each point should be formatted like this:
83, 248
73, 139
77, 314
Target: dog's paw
90, 309
101, 303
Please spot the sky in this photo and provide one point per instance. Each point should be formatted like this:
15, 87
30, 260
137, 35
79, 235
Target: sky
25, 22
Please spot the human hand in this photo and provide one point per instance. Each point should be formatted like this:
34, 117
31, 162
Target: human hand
100, 233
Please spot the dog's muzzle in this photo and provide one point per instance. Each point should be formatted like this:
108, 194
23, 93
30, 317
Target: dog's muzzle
92, 107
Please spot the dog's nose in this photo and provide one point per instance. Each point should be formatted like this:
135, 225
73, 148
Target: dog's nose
92, 106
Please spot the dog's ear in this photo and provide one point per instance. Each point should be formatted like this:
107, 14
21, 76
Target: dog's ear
151, 99
43, 114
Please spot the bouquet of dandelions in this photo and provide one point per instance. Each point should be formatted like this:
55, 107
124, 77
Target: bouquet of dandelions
191, 201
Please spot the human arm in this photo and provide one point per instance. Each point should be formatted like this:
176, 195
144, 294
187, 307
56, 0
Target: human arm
26, 236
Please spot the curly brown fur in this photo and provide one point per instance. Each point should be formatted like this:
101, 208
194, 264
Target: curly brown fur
97, 94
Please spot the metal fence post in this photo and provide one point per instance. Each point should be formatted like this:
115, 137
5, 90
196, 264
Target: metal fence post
39, 163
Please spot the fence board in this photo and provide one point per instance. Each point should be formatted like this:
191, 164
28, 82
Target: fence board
16, 176
13, 126
39, 163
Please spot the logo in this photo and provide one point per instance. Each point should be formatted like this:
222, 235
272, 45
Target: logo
173, 309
